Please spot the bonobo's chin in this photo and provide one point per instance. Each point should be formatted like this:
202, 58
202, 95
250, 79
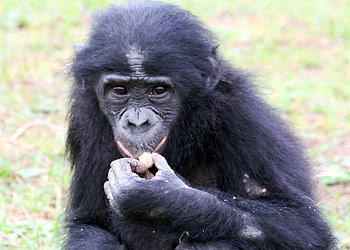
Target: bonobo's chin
136, 147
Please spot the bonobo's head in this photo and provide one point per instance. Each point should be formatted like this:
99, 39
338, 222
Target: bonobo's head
142, 60
139, 107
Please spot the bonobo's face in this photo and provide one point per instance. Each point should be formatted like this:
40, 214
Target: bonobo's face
140, 109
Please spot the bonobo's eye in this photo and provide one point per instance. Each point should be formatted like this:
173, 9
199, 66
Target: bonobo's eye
119, 90
158, 90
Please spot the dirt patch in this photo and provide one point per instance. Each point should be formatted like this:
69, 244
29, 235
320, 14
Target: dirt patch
336, 197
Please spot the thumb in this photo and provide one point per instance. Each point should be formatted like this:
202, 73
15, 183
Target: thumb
161, 163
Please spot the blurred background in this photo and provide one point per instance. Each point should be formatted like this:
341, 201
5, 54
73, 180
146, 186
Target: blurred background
299, 51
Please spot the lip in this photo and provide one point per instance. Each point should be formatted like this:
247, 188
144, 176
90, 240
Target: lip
128, 154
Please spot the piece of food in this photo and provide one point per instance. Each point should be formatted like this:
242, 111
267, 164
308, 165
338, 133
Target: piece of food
148, 175
144, 162
139, 168
146, 159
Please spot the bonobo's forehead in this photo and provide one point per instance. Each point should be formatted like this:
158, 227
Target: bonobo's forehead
118, 78
135, 58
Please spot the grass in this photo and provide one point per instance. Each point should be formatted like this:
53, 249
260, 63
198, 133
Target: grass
300, 51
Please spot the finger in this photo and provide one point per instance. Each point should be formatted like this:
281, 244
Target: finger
108, 191
122, 168
161, 163
123, 164
111, 176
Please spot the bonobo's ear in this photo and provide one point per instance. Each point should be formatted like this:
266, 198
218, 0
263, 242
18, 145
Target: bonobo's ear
212, 77
79, 47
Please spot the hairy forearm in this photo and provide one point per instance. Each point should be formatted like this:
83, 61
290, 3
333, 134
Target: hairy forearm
295, 224
189, 210
203, 216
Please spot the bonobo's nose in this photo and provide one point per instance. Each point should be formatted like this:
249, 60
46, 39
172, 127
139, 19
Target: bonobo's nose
139, 120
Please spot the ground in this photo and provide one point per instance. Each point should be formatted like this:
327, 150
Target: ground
299, 51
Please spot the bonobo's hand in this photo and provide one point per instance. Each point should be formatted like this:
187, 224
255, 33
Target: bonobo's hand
128, 192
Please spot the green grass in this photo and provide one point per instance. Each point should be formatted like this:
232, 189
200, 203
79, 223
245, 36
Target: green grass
299, 50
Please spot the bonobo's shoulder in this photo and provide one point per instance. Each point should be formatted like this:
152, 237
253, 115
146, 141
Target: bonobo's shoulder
234, 75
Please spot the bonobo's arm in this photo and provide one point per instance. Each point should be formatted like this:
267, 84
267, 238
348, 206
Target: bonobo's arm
169, 204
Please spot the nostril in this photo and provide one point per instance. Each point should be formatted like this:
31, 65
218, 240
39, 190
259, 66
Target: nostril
145, 124
130, 124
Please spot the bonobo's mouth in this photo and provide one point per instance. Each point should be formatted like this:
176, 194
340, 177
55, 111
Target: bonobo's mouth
126, 152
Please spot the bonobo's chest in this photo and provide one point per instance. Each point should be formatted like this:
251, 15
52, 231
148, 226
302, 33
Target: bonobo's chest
205, 178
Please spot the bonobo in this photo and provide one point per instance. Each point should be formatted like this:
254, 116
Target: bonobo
227, 174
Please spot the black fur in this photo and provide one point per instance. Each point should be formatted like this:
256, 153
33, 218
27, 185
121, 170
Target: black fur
219, 136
